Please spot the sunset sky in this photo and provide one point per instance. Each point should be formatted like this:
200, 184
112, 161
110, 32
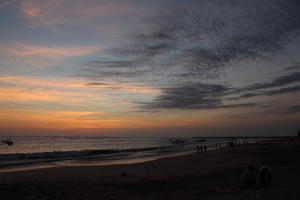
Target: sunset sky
150, 68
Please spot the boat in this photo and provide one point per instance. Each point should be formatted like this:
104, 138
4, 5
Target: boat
200, 139
177, 141
8, 141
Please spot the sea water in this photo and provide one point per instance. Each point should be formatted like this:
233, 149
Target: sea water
37, 150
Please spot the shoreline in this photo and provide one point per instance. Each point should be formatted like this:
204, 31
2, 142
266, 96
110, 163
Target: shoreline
117, 161
210, 175
121, 161
114, 159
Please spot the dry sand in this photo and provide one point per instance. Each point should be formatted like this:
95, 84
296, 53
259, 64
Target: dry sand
211, 175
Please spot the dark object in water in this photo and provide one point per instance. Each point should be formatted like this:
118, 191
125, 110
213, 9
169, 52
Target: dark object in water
177, 141
8, 141
201, 140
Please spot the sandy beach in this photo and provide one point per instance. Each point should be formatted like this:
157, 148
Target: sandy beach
211, 175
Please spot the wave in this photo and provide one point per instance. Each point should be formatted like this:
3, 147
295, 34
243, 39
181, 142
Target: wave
68, 155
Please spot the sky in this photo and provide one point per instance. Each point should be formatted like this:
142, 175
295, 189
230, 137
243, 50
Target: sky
154, 68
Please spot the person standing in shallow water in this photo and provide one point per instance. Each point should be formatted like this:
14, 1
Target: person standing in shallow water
198, 148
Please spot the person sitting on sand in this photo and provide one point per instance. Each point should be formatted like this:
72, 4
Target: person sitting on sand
250, 177
265, 175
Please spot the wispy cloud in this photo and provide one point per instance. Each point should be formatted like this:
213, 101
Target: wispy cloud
277, 82
59, 52
194, 96
294, 109
280, 85
56, 12
296, 66
19, 94
213, 96
54, 119
70, 83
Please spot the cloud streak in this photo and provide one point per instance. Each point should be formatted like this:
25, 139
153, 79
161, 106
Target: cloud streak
280, 85
50, 52
277, 82
72, 84
58, 12
209, 96
193, 96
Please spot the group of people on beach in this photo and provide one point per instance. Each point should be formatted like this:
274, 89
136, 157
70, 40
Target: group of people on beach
218, 145
254, 177
201, 149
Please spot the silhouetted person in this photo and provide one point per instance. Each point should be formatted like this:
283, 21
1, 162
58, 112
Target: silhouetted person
124, 174
265, 176
205, 148
201, 149
216, 145
250, 177
297, 138
198, 148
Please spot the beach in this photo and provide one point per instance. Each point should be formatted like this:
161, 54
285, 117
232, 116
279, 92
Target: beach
210, 175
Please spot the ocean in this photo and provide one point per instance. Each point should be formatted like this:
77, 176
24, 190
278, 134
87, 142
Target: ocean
62, 150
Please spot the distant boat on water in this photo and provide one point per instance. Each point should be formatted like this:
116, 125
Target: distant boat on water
177, 141
8, 141
200, 139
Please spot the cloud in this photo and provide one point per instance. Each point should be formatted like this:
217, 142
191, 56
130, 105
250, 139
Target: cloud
189, 97
294, 109
72, 84
74, 12
123, 87
296, 66
50, 52
5, 3
18, 94
111, 64
212, 96
191, 43
270, 92
277, 82
193, 96
278, 86
196, 41
54, 119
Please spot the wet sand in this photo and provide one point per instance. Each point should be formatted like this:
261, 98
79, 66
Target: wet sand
211, 175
